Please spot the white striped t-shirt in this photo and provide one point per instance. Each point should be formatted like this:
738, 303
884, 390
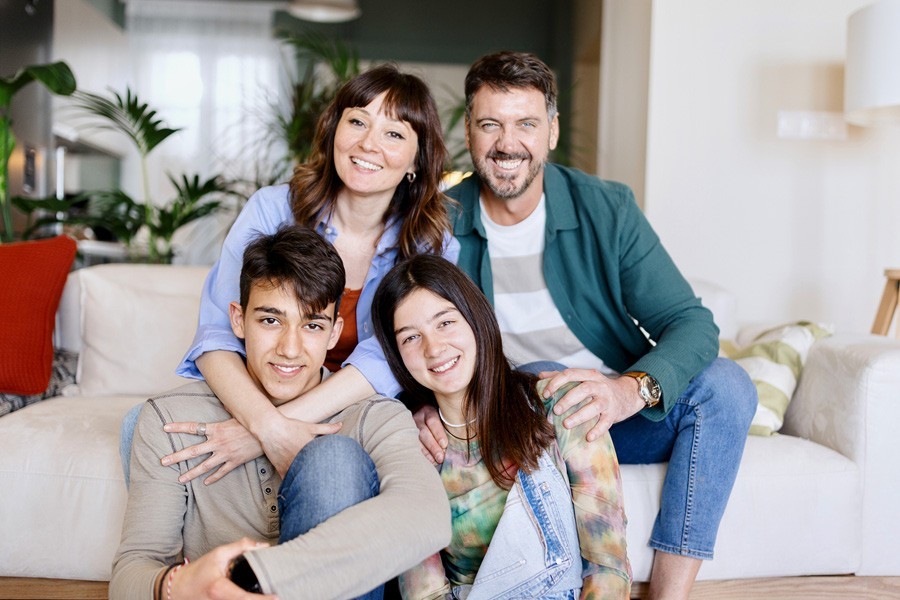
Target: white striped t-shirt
531, 326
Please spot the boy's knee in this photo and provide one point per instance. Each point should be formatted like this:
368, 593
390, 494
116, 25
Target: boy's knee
330, 461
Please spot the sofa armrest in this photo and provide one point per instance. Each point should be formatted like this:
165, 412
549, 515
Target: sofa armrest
848, 399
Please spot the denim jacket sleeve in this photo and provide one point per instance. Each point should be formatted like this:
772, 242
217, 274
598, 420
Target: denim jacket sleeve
264, 213
596, 483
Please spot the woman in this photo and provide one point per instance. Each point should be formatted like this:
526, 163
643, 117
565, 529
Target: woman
529, 498
370, 187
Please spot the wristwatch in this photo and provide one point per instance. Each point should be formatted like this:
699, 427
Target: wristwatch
648, 387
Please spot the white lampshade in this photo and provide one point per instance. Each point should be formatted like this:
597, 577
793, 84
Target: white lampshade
324, 11
872, 73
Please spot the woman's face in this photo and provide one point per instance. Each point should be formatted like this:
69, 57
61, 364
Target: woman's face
373, 152
436, 343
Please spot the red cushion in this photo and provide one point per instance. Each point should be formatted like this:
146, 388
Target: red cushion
32, 276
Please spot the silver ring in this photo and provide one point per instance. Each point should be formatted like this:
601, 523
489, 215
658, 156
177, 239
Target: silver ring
201, 429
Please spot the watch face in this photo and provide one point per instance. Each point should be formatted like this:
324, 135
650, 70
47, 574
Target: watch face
650, 390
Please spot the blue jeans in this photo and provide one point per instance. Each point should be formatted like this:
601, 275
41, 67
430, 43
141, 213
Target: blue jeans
534, 551
126, 436
331, 473
702, 437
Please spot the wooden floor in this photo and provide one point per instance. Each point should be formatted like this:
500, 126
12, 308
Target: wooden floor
786, 588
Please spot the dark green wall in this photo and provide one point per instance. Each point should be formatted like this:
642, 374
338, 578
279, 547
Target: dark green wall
113, 9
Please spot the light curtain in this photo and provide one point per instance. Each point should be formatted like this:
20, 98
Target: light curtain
215, 70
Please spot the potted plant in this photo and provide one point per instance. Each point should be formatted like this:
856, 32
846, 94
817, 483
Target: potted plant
56, 77
193, 200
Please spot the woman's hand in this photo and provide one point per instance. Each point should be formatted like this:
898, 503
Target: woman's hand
230, 445
431, 433
611, 400
207, 577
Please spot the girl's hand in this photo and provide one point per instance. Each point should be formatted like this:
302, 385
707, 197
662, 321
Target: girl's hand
431, 433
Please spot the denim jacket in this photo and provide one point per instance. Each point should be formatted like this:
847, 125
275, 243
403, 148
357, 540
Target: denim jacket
534, 552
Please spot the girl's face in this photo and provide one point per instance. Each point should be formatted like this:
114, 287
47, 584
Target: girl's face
437, 344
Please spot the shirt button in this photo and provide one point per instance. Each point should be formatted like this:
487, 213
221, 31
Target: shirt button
268, 490
262, 471
273, 508
366, 328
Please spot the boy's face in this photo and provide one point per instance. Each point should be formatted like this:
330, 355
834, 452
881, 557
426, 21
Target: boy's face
285, 346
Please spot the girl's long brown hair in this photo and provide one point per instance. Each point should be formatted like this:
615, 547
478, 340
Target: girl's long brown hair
511, 422
420, 205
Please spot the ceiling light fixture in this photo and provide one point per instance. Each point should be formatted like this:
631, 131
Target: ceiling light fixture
324, 11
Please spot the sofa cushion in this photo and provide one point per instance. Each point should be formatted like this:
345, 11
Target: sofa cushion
774, 360
64, 492
33, 276
137, 321
794, 510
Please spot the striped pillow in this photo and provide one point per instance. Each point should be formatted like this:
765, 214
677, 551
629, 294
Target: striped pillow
774, 360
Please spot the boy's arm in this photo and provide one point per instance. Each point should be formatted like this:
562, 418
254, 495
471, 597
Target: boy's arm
375, 540
154, 517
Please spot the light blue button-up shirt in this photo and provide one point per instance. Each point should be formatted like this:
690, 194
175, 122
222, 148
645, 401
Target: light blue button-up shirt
266, 211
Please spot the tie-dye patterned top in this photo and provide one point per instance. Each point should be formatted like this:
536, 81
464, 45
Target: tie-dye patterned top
476, 504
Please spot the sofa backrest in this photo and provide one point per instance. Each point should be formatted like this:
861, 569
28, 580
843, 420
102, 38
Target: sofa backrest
130, 323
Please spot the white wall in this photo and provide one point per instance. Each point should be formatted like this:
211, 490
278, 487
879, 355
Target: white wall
624, 65
798, 229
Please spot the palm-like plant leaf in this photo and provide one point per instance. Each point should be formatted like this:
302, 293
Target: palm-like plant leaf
56, 77
190, 203
340, 58
128, 115
116, 211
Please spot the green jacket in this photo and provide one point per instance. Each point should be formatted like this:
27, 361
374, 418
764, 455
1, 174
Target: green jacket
605, 269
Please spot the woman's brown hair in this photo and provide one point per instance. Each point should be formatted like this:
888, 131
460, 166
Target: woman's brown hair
510, 419
419, 205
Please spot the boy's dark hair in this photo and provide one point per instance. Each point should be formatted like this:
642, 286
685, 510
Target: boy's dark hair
297, 257
505, 70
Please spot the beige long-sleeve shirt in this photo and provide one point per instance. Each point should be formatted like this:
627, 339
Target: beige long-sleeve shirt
344, 557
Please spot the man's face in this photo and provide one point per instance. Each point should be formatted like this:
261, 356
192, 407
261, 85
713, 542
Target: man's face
509, 136
285, 345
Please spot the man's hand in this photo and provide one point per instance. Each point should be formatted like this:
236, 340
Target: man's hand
611, 400
207, 577
431, 433
230, 445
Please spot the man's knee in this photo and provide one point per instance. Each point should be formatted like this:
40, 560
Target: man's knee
730, 390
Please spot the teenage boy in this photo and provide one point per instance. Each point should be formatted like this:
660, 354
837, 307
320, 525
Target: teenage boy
354, 509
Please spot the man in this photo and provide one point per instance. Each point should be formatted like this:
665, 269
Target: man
354, 509
578, 277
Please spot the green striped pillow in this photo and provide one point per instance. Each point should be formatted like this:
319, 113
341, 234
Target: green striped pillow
774, 360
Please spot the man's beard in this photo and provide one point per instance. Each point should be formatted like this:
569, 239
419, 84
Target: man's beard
502, 186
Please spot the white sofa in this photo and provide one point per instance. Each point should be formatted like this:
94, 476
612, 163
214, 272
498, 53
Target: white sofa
819, 499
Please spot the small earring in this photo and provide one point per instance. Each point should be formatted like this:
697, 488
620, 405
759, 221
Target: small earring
411, 176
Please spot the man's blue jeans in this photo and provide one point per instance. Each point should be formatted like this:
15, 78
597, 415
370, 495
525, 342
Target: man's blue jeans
331, 473
702, 437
